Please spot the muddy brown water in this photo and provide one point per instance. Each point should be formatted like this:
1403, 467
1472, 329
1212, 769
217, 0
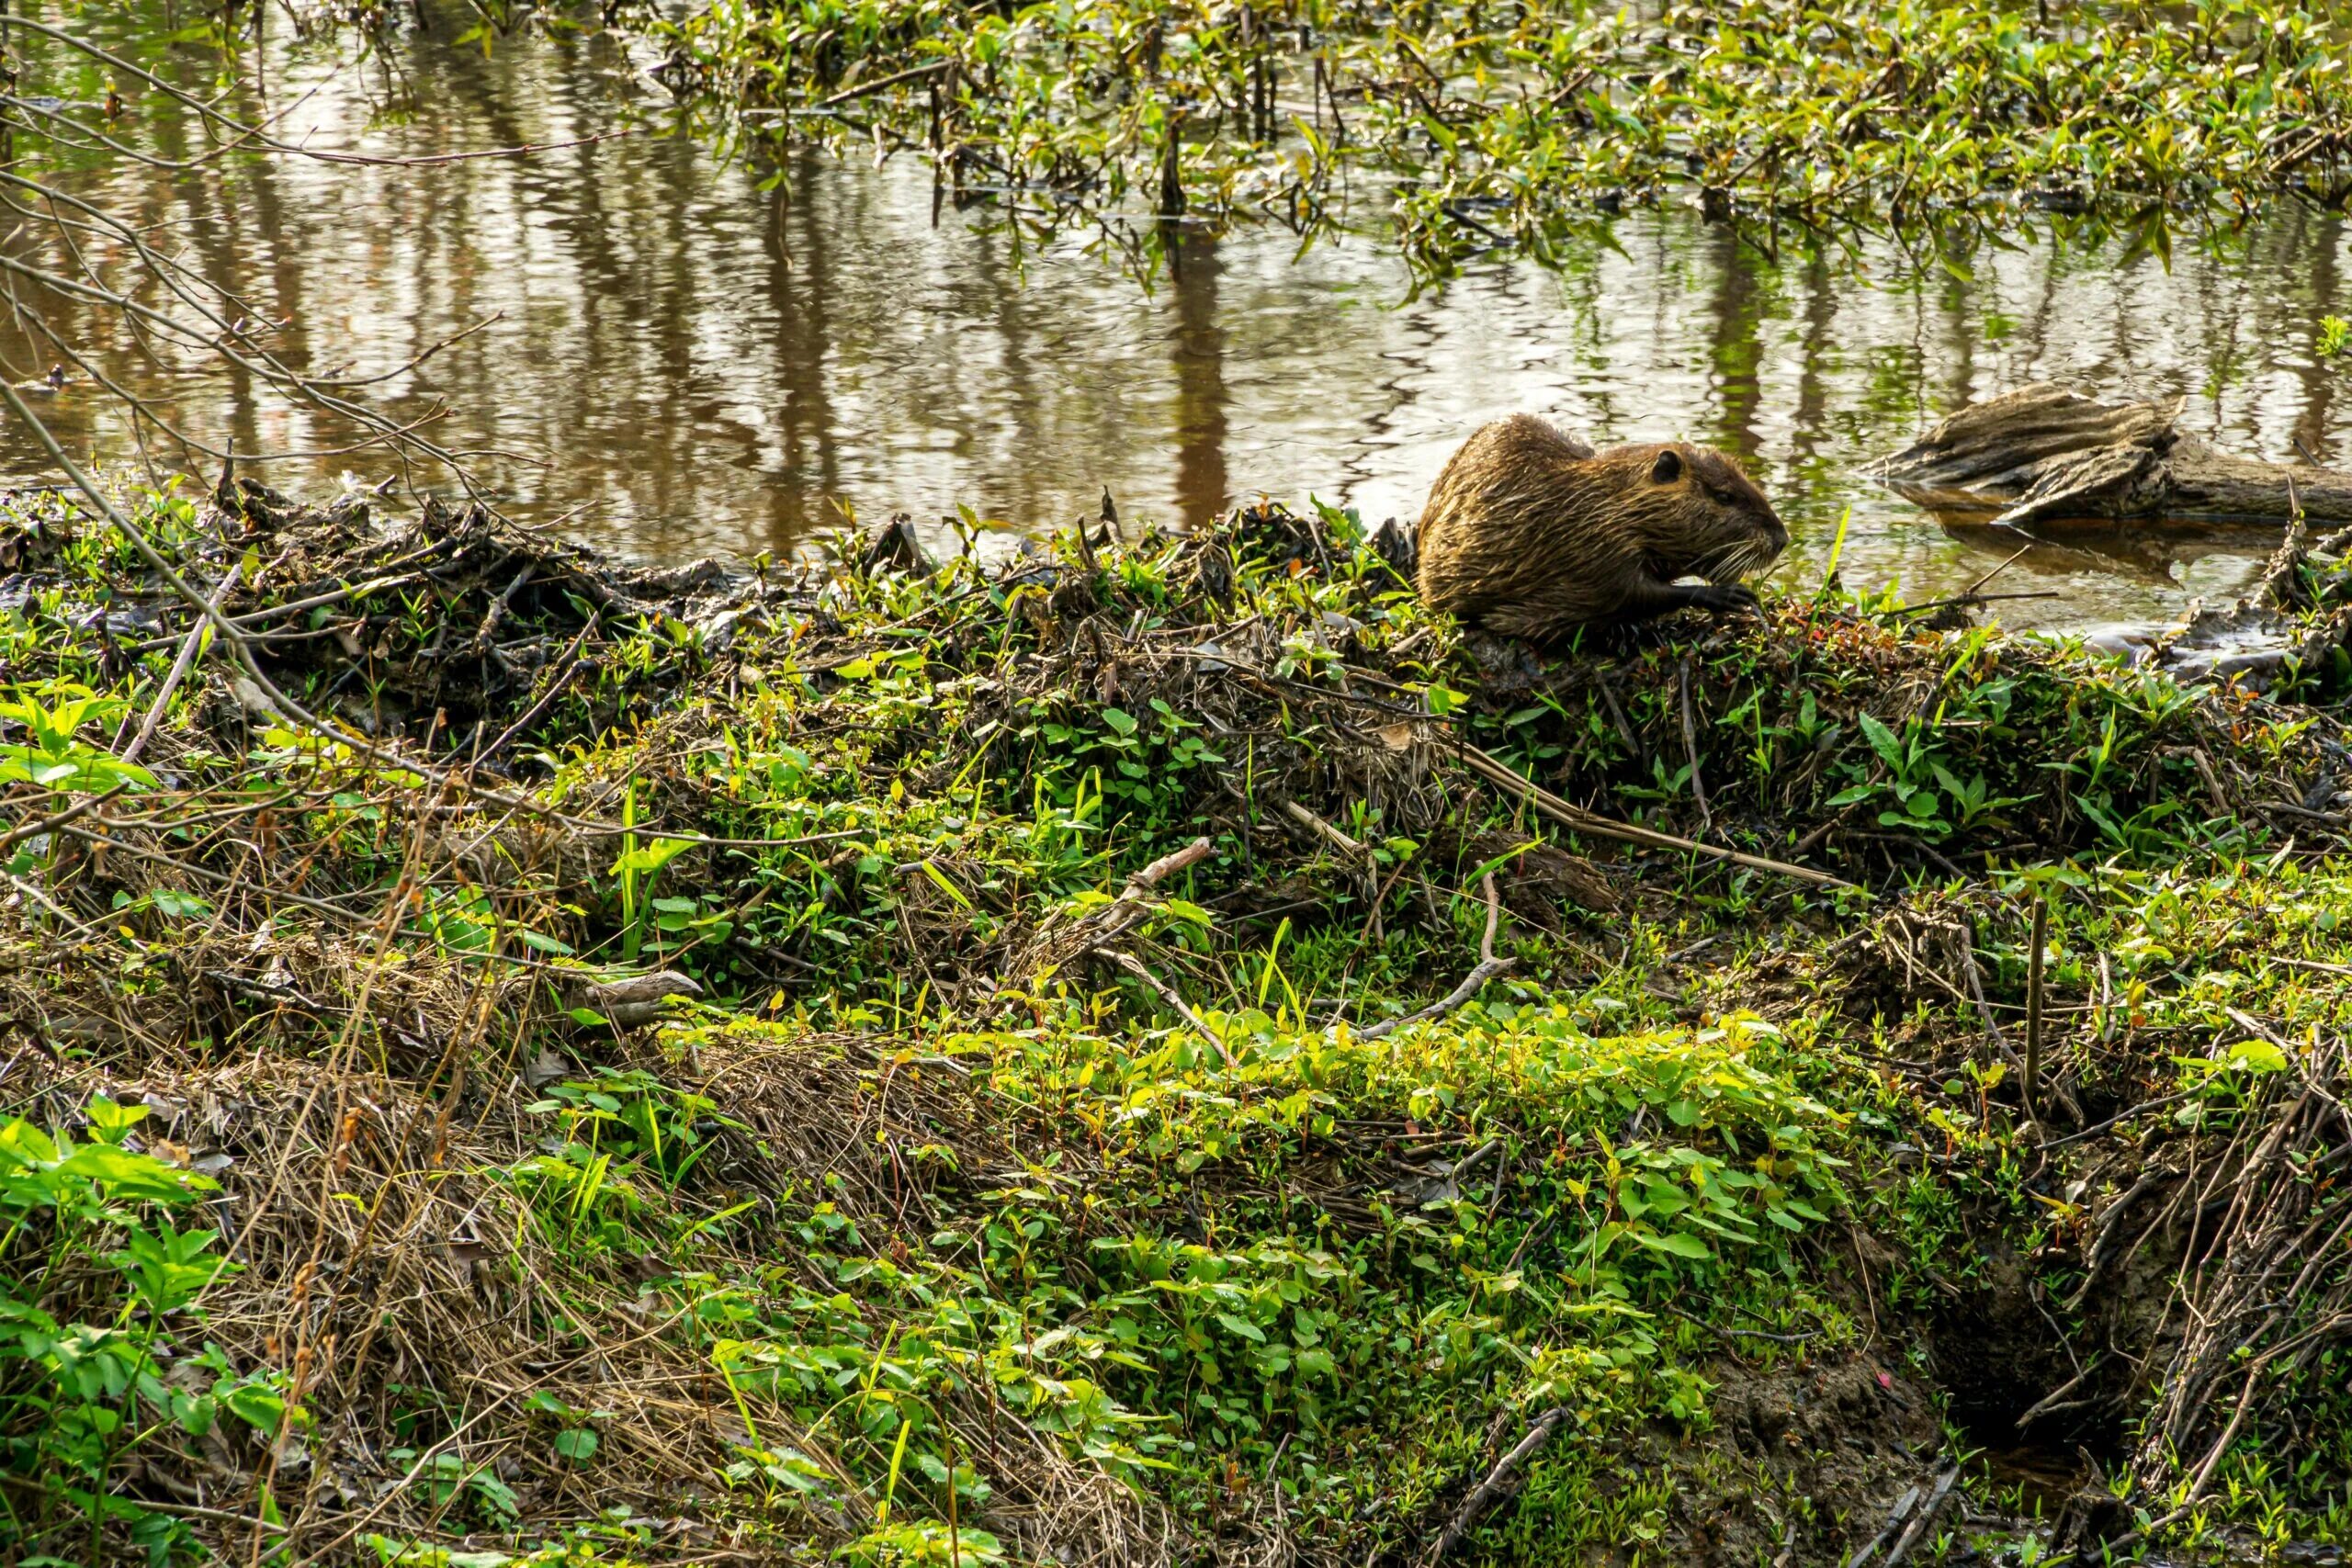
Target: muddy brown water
682, 364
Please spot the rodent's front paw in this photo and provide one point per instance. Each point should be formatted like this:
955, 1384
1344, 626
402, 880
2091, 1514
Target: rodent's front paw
1724, 598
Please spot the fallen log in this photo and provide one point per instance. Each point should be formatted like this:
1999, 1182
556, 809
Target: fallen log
2046, 454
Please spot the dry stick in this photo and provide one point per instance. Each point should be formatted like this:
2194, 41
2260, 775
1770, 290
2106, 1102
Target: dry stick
391, 1492
223, 339
1583, 822
337, 1071
1691, 749
1924, 1520
1970, 599
188, 646
1134, 966
358, 590
1971, 592
135, 852
1500, 1483
2056, 1398
326, 155
74, 928
2312, 964
2032, 1081
15, 836
1316, 824
572, 665
1489, 967
881, 83
1111, 922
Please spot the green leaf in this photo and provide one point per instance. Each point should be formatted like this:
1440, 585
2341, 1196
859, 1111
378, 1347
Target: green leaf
1243, 1327
579, 1445
129, 1175
106, 1117
2258, 1055
1882, 741
940, 877
1681, 1243
651, 857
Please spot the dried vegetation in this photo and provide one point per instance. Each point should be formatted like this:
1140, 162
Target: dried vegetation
964, 1061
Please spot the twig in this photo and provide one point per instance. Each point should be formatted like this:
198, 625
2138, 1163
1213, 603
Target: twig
572, 665
1971, 599
221, 878
2054, 1399
1690, 749
2312, 963
2124, 1115
1322, 828
252, 618
1973, 590
1500, 1482
1584, 821
15, 836
1741, 1333
1134, 966
881, 83
1489, 967
188, 645
1107, 923
1925, 1519
2031, 1084
294, 711
1533, 1237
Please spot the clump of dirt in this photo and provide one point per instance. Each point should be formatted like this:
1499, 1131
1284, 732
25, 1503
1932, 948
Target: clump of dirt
1847, 1433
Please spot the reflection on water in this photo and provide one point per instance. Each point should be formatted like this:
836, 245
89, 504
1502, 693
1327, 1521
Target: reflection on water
682, 364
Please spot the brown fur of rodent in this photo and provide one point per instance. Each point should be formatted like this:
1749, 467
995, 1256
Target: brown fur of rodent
1531, 533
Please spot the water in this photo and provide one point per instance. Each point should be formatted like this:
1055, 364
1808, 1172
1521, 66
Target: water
681, 365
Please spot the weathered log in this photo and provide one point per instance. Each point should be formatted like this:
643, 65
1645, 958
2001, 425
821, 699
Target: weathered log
2043, 453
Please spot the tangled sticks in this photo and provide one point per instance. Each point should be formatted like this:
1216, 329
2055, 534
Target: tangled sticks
2264, 1286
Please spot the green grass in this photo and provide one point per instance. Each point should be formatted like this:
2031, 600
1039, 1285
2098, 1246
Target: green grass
934, 1227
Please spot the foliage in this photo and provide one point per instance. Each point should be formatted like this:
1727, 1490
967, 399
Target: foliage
88, 1232
921, 1217
1949, 125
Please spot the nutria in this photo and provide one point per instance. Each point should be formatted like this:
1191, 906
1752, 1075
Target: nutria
1531, 531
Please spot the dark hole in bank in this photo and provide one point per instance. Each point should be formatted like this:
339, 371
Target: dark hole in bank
1996, 1358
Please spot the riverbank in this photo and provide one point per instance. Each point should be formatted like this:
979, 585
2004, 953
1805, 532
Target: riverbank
1084, 1059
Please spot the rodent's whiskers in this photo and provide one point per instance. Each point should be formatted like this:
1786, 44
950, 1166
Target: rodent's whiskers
1708, 565
1731, 561
1754, 554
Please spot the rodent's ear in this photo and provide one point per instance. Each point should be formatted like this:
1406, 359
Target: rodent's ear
1668, 466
